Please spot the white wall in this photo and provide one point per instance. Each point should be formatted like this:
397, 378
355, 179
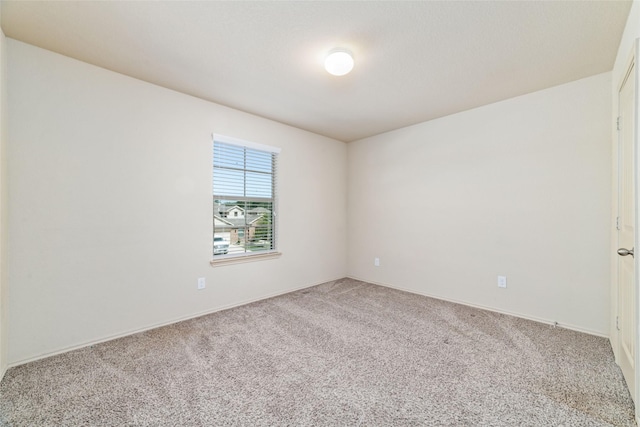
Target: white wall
3, 209
111, 213
520, 188
110, 207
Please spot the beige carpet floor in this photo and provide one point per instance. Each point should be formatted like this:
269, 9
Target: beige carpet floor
343, 353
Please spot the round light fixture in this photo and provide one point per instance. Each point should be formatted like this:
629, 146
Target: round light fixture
339, 62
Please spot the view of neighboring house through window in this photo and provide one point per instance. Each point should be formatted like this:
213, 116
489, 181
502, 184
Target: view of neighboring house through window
244, 197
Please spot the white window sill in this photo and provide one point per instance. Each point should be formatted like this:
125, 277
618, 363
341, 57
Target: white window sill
219, 262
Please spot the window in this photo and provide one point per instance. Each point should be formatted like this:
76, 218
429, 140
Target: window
244, 199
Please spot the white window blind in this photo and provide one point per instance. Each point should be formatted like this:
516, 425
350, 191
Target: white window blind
244, 197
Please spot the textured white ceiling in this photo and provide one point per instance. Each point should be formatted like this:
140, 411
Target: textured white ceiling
415, 61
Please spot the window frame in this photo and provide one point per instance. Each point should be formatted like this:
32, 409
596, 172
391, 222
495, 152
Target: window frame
219, 260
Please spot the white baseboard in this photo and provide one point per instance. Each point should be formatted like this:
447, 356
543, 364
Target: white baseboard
275, 294
157, 325
493, 309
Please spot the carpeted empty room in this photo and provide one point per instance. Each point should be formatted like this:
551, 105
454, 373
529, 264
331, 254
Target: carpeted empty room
344, 353
319, 213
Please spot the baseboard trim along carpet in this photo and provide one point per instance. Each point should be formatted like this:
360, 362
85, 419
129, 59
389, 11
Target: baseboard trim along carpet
493, 309
342, 353
156, 325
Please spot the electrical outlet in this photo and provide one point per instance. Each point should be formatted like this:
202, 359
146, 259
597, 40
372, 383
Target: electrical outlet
502, 281
376, 262
201, 283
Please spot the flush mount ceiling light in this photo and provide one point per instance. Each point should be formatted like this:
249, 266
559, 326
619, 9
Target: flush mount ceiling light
339, 62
